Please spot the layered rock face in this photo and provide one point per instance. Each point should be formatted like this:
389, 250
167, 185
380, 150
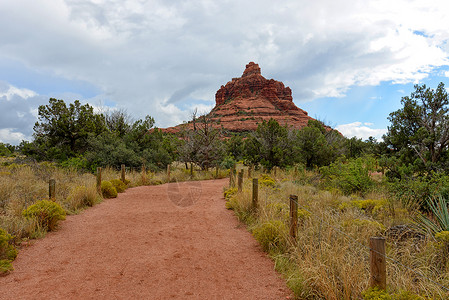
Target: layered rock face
244, 102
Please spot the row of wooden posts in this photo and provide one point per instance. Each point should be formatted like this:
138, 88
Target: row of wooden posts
52, 182
378, 266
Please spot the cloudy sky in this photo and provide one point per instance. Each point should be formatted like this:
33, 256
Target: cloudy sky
348, 63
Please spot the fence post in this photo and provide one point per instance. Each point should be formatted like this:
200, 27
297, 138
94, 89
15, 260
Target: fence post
293, 215
168, 173
123, 173
99, 181
249, 171
52, 189
255, 192
231, 177
378, 265
216, 172
240, 178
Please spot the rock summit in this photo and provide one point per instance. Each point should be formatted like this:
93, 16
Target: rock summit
244, 102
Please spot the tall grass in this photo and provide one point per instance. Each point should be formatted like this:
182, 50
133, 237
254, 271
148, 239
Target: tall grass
330, 257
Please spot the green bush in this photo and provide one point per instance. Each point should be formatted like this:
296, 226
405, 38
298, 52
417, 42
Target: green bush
7, 251
46, 212
119, 185
414, 191
5, 266
108, 190
352, 176
271, 235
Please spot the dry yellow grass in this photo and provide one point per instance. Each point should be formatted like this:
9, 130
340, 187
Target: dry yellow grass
330, 257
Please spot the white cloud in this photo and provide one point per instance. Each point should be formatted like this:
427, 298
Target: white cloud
11, 136
151, 57
360, 130
12, 91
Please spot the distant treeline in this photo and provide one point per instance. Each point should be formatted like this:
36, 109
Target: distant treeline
414, 150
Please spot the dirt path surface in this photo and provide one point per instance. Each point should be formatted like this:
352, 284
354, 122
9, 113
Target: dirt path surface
173, 241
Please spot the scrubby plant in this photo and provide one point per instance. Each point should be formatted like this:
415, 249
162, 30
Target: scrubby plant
266, 180
271, 235
5, 266
228, 193
46, 212
82, 196
7, 251
440, 216
119, 185
108, 190
365, 225
351, 176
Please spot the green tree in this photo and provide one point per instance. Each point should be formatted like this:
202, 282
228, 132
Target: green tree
420, 130
319, 146
270, 145
6, 149
62, 131
138, 145
234, 147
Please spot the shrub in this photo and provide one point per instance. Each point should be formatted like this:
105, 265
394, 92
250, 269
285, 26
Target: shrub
7, 251
46, 212
108, 190
364, 224
439, 210
352, 176
82, 196
271, 235
370, 206
5, 267
266, 180
229, 193
119, 185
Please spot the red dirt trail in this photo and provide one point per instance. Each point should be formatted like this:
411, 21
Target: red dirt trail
172, 241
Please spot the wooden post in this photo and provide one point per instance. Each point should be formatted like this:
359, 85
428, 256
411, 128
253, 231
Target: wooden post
293, 215
275, 169
168, 173
231, 177
378, 265
240, 182
123, 173
249, 171
191, 170
52, 189
255, 192
216, 172
144, 175
99, 181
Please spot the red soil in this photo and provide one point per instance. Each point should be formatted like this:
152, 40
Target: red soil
157, 242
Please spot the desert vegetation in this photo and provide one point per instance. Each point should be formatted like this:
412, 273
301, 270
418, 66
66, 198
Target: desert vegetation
329, 259
348, 189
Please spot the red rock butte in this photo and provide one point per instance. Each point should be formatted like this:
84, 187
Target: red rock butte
244, 102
